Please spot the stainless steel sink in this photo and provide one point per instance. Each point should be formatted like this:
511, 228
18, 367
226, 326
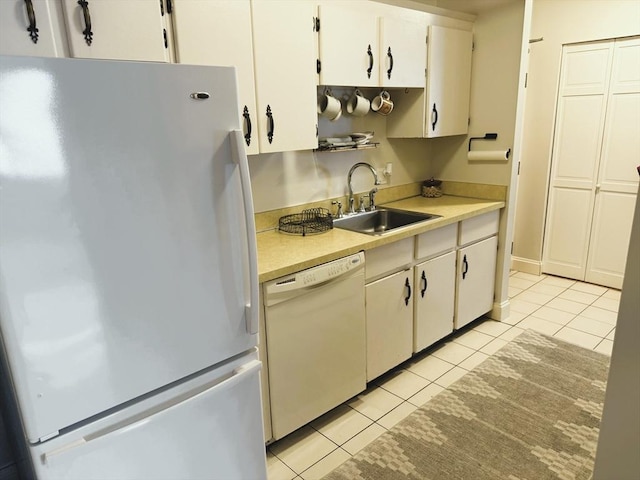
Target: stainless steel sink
381, 221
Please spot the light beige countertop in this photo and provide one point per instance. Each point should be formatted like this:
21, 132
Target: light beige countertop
282, 254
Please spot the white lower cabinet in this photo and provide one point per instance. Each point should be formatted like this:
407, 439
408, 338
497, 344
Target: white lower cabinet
435, 282
476, 280
389, 313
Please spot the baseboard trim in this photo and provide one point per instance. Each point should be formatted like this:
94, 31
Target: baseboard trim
500, 311
526, 265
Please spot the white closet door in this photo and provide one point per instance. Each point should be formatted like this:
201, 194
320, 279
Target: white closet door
578, 137
617, 183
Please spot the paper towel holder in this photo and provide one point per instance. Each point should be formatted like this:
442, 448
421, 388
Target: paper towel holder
487, 136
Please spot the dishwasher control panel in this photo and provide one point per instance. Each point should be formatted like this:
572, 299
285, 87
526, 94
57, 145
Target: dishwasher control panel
316, 275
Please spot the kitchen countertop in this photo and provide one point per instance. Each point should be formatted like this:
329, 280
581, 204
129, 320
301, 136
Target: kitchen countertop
281, 254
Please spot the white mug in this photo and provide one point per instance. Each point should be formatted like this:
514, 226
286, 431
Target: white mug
329, 106
358, 105
382, 104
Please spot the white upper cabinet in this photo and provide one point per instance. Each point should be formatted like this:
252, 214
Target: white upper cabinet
117, 29
26, 28
218, 32
402, 53
448, 81
371, 47
284, 50
348, 46
443, 109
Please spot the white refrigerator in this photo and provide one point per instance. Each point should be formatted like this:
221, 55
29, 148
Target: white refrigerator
128, 273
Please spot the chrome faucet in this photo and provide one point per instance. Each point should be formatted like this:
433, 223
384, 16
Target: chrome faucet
371, 193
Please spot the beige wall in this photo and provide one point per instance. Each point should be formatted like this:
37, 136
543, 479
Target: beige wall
558, 22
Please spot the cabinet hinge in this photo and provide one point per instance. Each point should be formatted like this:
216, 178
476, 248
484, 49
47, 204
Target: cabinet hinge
469, 121
166, 42
318, 65
316, 24
511, 248
518, 168
426, 39
169, 6
162, 7
526, 78
473, 46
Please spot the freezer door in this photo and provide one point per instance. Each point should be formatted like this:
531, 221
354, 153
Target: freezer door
213, 430
123, 231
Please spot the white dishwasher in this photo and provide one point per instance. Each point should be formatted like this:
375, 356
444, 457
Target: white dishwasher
316, 341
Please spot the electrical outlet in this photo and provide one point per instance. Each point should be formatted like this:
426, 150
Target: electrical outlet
382, 178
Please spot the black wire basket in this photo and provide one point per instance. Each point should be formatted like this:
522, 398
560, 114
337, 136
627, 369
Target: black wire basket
309, 222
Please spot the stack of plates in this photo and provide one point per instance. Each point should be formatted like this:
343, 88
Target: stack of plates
361, 138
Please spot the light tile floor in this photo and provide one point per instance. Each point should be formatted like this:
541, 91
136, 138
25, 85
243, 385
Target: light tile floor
576, 312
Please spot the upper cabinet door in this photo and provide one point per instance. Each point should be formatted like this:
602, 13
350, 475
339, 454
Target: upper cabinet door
285, 74
117, 29
348, 46
26, 28
218, 32
448, 81
403, 53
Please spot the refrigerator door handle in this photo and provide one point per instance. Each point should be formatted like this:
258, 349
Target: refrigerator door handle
239, 153
237, 375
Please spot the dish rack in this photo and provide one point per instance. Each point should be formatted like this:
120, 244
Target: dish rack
309, 222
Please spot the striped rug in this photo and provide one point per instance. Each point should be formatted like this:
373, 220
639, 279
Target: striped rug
530, 411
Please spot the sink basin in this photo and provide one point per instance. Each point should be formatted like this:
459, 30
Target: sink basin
381, 220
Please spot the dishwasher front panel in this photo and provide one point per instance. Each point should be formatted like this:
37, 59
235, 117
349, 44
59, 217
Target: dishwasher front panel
316, 346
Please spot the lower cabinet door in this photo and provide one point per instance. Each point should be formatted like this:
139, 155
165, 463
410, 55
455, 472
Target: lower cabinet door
435, 282
389, 308
476, 273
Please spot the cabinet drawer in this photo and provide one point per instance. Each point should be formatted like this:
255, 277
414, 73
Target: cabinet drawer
388, 258
477, 228
435, 242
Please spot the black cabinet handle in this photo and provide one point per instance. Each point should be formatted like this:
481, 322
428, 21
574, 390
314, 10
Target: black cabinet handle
425, 283
390, 55
465, 267
88, 34
408, 297
247, 121
32, 29
434, 117
370, 53
270, 124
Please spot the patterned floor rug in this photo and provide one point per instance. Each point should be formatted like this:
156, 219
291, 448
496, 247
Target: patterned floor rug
530, 411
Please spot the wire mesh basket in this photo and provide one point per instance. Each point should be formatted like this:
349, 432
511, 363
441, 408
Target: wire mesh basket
310, 222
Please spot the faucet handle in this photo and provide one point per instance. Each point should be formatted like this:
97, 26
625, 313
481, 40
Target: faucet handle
339, 213
372, 198
361, 207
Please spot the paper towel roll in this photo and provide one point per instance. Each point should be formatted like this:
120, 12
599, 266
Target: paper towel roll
502, 155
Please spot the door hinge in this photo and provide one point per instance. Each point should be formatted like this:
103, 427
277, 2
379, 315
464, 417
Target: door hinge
169, 6
468, 121
316, 24
166, 42
426, 39
162, 7
518, 168
526, 78
318, 65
